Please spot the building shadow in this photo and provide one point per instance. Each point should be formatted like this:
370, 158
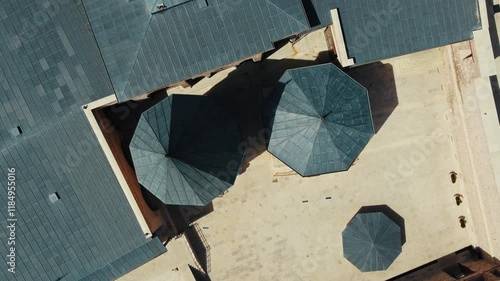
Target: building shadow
378, 79
199, 275
495, 87
199, 246
182, 217
311, 13
390, 213
242, 94
124, 118
491, 9
176, 218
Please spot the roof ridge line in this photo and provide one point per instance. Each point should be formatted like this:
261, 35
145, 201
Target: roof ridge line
200, 197
182, 176
310, 152
332, 138
161, 105
138, 51
94, 39
329, 82
292, 81
298, 131
347, 136
205, 176
277, 7
349, 127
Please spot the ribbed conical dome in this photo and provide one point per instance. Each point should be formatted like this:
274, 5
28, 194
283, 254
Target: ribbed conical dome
371, 241
185, 150
320, 119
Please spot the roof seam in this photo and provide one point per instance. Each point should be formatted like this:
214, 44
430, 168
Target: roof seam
298, 21
137, 54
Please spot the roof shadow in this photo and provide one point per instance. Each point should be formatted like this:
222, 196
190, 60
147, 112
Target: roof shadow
199, 246
390, 213
496, 93
311, 13
242, 94
199, 275
123, 119
378, 79
491, 9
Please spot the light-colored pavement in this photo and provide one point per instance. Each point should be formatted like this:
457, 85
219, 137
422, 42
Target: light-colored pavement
480, 135
171, 266
262, 230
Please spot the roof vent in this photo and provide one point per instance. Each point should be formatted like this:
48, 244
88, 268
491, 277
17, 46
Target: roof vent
16, 131
160, 8
54, 197
168, 4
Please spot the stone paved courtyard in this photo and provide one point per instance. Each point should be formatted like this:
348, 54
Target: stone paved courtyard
274, 225
262, 230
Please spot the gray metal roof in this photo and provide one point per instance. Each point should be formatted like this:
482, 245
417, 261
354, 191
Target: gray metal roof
371, 241
320, 119
49, 68
185, 150
144, 52
375, 29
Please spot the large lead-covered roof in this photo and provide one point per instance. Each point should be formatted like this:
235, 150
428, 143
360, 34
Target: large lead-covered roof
50, 67
145, 51
375, 29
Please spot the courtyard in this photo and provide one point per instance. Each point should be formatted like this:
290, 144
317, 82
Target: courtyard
276, 225
264, 229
